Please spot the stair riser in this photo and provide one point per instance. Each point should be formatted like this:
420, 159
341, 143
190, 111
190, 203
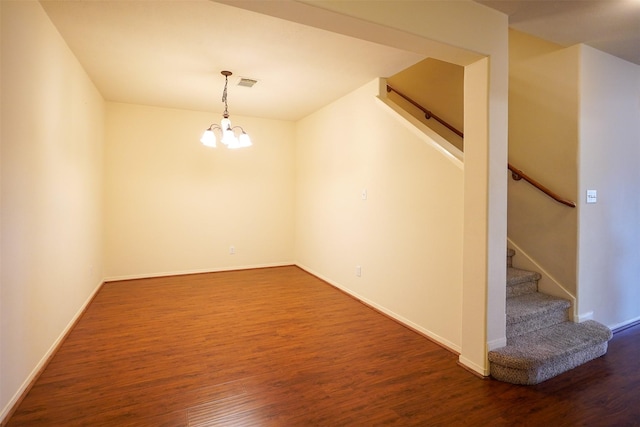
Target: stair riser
510, 254
522, 289
549, 370
542, 321
541, 341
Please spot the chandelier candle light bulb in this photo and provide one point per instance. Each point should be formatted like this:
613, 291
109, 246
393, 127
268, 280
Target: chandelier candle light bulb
227, 132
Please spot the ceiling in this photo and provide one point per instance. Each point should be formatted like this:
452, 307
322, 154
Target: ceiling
612, 26
170, 53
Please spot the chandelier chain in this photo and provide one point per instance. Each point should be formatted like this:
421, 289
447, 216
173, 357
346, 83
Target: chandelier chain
224, 96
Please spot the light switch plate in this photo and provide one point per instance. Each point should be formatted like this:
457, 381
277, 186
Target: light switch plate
592, 196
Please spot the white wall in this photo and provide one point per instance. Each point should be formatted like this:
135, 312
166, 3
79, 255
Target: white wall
52, 138
609, 231
406, 236
175, 206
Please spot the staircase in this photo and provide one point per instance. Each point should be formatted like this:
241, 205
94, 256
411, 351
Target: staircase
541, 340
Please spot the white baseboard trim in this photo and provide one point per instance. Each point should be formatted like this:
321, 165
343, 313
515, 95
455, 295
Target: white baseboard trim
28, 382
473, 366
584, 316
500, 342
406, 322
196, 271
625, 325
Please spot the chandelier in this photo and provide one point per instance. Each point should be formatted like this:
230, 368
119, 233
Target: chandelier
227, 132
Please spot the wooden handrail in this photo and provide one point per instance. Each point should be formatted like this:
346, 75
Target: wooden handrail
427, 114
517, 175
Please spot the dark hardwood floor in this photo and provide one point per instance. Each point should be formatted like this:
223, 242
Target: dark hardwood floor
278, 347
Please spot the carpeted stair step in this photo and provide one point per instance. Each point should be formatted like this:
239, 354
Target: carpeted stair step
545, 353
520, 282
510, 254
530, 312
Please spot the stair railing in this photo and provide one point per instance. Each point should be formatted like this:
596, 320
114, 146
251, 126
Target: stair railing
517, 175
427, 113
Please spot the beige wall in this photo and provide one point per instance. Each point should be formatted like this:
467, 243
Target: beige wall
460, 32
52, 138
438, 86
543, 143
609, 231
406, 236
175, 206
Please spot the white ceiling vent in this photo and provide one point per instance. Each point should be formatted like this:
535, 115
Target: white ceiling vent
246, 82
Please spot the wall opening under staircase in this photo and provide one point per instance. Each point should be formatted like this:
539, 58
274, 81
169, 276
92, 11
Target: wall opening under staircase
437, 86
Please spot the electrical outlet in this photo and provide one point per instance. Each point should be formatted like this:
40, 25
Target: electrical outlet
232, 250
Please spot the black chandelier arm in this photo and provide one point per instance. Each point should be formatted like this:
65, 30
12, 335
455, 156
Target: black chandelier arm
217, 127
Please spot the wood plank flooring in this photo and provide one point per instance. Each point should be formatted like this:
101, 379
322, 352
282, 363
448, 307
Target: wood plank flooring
278, 347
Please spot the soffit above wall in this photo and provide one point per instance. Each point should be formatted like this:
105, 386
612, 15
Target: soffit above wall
612, 26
